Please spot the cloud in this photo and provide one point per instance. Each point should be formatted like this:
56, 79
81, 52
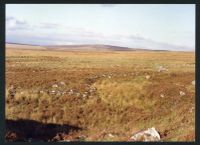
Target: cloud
13, 23
20, 31
49, 25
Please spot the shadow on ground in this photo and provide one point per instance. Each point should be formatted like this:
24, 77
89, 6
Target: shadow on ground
24, 130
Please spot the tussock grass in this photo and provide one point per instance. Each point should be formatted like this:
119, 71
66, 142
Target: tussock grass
124, 101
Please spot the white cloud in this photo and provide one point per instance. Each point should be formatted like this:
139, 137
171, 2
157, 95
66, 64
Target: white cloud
16, 24
20, 31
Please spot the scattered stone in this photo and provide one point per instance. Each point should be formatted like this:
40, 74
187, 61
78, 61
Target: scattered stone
182, 93
71, 92
148, 135
93, 88
109, 77
84, 95
162, 95
55, 86
191, 109
62, 83
53, 92
193, 83
111, 135
161, 69
81, 138
41, 92
147, 77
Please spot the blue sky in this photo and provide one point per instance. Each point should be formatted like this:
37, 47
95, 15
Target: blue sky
149, 26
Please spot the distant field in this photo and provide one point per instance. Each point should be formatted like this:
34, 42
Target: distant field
100, 96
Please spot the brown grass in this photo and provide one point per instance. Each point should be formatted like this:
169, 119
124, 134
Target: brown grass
123, 101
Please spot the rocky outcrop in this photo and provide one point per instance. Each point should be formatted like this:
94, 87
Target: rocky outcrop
148, 135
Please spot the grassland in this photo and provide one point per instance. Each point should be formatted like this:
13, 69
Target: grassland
107, 95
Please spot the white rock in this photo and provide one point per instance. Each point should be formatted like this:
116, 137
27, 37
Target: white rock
111, 135
161, 69
53, 92
62, 83
41, 92
182, 93
71, 92
84, 95
193, 82
148, 135
162, 95
191, 109
55, 86
147, 77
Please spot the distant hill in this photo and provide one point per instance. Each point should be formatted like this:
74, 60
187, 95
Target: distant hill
96, 47
24, 46
90, 47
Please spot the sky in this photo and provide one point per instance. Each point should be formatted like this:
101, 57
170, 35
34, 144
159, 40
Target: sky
147, 26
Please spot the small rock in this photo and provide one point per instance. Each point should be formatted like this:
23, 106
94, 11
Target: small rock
111, 135
84, 95
193, 82
53, 92
162, 95
81, 137
182, 93
62, 83
161, 69
55, 86
91, 91
71, 92
191, 109
41, 92
148, 135
147, 77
